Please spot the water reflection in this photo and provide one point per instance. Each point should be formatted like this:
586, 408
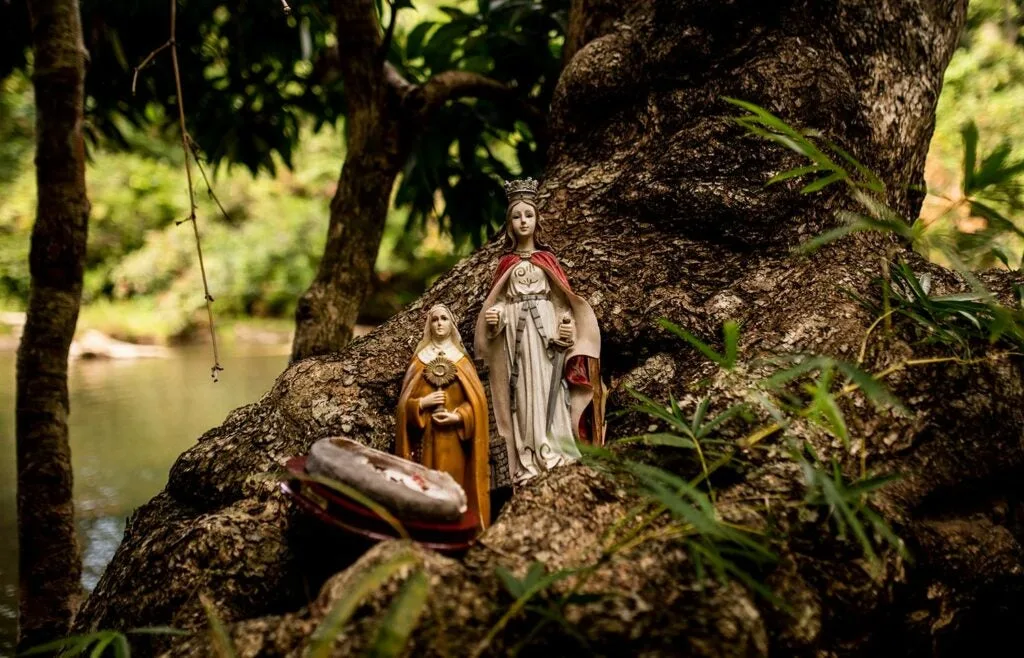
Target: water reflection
129, 422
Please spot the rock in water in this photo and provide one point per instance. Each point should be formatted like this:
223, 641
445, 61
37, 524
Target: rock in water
411, 491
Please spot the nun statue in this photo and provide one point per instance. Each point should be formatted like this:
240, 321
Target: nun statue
442, 412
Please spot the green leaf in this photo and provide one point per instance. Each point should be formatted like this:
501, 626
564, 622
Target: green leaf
731, 334
414, 42
698, 413
995, 219
220, 638
68, 646
793, 173
341, 611
121, 647
101, 646
158, 630
511, 583
871, 180
534, 575
721, 418
805, 365
831, 236
970, 135
825, 409
872, 387
697, 343
355, 495
402, 617
764, 117
656, 410
665, 439
869, 485
823, 182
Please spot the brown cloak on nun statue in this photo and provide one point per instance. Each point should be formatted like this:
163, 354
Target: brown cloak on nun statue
542, 346
442, 412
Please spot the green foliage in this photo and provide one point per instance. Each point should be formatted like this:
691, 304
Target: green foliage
254, 78
816, 399
473, 145
402, 617
957, 321
730, 333
987, 185
322, 640
982, 94
137, 249
16, 126
983, 85
801, 388
848, 504
763, 123
142, 278
220, 638
99, 643
713, 545
525, 591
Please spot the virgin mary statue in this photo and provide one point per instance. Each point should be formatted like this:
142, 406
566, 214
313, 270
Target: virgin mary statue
542, 344
442, 412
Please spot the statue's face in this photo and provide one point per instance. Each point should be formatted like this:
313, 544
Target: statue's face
523, 219
440, 324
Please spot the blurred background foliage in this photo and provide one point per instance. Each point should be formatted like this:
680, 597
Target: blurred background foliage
983, 85
264, 100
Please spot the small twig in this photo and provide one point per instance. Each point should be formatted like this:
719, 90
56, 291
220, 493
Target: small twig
209, 188
191, 193
864, 343
185, 141
149, 57
886, 293
284, 6
186, 144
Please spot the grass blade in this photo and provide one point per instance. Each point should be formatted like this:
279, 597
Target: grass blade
219, 636
402, 617
793, 173
323, 637
823, 182
697, 343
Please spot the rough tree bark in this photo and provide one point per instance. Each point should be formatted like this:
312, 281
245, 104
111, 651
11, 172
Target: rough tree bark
385, 114
658, 208
49, 562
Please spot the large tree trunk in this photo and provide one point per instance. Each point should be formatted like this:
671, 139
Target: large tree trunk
658, 208
49, 562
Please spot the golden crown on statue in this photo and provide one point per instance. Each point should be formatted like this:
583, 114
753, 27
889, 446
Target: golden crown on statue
519, 189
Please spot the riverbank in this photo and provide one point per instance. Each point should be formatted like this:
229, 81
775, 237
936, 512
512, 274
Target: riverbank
146, 322
111, 328
130, 419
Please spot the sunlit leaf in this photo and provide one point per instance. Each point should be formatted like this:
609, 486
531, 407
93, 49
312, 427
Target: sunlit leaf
402, 617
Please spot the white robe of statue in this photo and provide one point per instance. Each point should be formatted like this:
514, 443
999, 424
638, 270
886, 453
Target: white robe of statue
538, 447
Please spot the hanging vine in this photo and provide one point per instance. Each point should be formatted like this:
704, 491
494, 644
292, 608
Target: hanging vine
188, 147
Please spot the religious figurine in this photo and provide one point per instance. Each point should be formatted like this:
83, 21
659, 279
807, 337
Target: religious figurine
541, 343
442, 412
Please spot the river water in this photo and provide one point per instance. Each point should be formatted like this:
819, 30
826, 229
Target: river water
130, 419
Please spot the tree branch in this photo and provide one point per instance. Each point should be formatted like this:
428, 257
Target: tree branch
452, 85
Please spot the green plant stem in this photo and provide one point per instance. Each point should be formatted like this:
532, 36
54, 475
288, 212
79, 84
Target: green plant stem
867, 334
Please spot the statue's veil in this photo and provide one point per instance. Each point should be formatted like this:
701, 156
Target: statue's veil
454, 338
